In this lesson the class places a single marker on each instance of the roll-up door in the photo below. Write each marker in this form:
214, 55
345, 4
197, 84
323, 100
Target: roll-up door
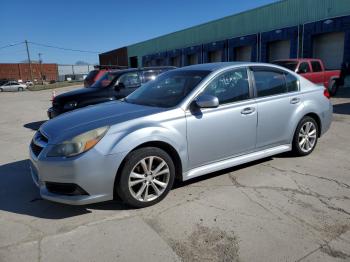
279, 50
243, 53
329, 48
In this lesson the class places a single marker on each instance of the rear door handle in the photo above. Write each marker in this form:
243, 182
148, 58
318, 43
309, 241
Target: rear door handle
295, 100
248, 111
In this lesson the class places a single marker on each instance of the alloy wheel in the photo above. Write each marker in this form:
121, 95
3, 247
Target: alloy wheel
307, 137
149, 178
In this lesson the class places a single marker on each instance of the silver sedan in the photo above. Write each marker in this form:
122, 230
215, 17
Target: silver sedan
12, 86
188, 122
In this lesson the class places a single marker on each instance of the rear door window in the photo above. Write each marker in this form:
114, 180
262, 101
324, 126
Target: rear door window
150, 75
130, 80
292, 83
269, 82
304, 68
316, 66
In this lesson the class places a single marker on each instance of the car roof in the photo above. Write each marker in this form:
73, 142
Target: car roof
142, 69
222, 65
297, 60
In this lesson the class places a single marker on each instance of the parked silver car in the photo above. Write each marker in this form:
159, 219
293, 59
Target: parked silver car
12, 86
188, 122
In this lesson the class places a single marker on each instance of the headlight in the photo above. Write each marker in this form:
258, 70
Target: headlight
78, 144
70, 105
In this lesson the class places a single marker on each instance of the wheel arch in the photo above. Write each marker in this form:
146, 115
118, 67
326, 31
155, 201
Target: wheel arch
168, 148
313, 115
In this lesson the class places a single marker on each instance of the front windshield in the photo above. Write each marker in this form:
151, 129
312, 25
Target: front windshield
291, 65
168, 89
104, 80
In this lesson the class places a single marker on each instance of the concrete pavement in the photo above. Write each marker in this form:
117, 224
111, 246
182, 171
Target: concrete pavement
277, 209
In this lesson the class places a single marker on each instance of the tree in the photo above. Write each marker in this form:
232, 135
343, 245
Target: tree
81, 62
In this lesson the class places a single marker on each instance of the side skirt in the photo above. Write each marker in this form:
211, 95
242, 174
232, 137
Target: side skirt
231, 162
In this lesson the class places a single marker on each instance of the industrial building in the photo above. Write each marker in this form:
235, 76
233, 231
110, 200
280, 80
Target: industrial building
21, 71
285, 29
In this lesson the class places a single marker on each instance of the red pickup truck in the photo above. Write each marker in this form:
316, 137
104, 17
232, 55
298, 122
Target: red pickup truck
313, 70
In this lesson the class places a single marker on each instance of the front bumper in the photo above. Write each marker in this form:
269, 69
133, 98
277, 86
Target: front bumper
93, 172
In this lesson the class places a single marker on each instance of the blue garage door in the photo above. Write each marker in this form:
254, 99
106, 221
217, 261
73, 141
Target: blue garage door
175, 57
243, 48
275, 44
146, 60
192, 55
328, 40
215, 52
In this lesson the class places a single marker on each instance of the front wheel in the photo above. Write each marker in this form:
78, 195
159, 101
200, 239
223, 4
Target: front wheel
146, 178
1, 90
20, 89
305, 137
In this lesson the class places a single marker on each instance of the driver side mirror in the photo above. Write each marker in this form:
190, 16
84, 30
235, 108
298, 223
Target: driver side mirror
207, 101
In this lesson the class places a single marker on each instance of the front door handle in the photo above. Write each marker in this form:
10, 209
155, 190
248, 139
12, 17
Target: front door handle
248, 111
295, 100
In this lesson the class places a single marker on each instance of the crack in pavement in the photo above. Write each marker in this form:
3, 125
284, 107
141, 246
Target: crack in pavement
342, 184
292, 190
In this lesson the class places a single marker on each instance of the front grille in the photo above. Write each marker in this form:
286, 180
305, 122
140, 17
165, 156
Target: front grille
65, 189
38, 143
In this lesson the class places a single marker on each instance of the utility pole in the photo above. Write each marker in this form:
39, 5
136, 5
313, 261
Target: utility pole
29, 62
41, 68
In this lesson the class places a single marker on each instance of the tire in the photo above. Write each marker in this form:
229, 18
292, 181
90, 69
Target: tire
1, 90
145, 187
333, 87
310, 137
20, 89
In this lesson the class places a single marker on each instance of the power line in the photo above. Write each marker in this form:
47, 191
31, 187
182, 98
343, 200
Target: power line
10, 45
63, 48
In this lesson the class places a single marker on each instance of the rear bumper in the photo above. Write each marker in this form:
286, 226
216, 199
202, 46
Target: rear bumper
327, 117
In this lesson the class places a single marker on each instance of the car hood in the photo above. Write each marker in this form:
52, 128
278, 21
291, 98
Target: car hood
68, 96
70, 124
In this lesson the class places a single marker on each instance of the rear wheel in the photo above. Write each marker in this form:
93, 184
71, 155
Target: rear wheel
305, 137
146, 178
1, 90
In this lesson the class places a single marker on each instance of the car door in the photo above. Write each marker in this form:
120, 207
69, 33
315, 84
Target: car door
7, 86
126, 84
277, 100
229, 130
12, 86
317, 73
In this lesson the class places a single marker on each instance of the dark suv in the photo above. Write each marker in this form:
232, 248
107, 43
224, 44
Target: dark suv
111, 86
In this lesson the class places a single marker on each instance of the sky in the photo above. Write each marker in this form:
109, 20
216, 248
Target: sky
99, 26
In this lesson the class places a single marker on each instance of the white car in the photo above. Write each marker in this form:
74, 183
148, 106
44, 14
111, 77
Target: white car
12, 86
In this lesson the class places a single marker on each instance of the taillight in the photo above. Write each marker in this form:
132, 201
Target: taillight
326, 93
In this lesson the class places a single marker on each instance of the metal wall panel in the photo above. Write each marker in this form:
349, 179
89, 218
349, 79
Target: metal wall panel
270, 17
